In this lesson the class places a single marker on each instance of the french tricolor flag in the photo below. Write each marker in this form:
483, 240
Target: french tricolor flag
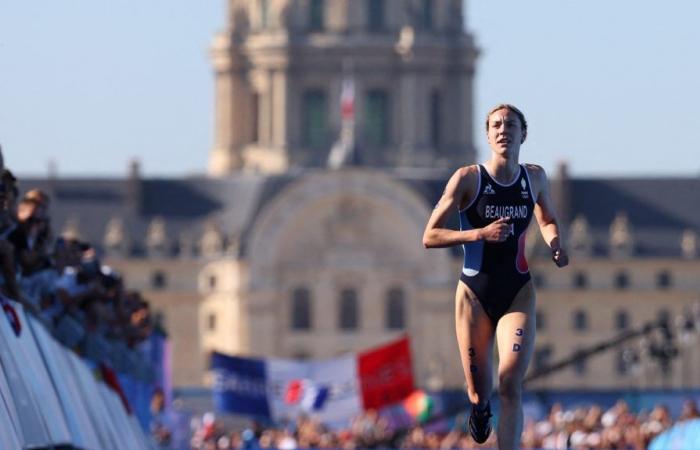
347, 99
333, 390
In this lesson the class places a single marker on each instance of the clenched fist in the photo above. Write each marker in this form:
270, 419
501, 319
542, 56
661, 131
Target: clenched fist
497, 231
560, 257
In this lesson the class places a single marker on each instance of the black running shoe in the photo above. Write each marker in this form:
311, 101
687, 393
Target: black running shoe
480, 424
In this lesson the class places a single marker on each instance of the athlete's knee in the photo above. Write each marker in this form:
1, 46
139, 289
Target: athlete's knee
509, 387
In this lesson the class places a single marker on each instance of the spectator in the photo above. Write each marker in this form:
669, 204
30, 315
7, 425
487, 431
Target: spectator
8, 223
79, 285
690, 411
31, 237
31, 241
160, 432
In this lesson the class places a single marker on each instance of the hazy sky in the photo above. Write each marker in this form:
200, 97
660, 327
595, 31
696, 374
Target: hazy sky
612, 87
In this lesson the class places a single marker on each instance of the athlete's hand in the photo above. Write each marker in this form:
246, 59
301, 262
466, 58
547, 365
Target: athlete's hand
560, 257
496, 231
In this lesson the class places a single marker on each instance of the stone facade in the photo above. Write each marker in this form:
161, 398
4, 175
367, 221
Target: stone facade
280, 65
597, 299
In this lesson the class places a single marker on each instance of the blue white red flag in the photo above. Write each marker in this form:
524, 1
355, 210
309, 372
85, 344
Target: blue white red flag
347, 99
333, 390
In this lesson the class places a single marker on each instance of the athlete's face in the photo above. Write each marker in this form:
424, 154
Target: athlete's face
505, 132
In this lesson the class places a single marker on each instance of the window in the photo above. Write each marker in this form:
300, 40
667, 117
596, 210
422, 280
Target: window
543, 354
377, 117
158, 280
427, 14
314, 114
301, 309
622, 363
627, 361
316, 8
264, 13
375, 14
348, 318
580, 366
538, 279
211, 322
301, 355
435, 107
580, 280
394, 315
580, 319
255, 119
622, 280
622, 320
540, 320
663, 279
664, 316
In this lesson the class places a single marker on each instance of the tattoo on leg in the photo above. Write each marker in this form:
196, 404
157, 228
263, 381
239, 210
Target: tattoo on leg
518, 331
472, 353
472, 368
516, 347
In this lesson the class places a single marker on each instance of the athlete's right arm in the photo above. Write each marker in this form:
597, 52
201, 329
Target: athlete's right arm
460, 190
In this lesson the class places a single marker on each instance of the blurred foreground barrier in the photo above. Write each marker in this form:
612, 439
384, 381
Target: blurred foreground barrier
49, 396
682, 436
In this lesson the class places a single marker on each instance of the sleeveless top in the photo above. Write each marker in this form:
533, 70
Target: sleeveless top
495, 200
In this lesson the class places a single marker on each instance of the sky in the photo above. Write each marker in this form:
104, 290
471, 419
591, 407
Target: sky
610, 87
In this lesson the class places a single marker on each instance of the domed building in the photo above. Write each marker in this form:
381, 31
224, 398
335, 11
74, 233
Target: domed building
337, 124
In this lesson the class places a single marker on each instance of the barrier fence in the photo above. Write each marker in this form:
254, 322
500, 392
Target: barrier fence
52, 398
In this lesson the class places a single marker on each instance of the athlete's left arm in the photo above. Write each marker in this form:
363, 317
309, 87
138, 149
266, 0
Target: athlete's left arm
545, 215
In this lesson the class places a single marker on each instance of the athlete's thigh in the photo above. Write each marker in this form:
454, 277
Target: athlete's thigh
515, 334
475, 335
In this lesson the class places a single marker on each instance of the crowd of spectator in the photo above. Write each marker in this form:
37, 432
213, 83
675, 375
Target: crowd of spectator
60, 279
583, 428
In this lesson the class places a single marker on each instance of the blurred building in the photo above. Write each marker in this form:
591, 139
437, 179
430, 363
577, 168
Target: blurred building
276, 254
280, 66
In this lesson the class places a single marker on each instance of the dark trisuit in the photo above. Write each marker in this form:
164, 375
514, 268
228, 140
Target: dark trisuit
496, 271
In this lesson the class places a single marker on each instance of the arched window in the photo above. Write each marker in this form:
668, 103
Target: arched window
301, 309
394, 311
376, 15
316, 8
377, 120
314, 115
348, 317
427, 14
